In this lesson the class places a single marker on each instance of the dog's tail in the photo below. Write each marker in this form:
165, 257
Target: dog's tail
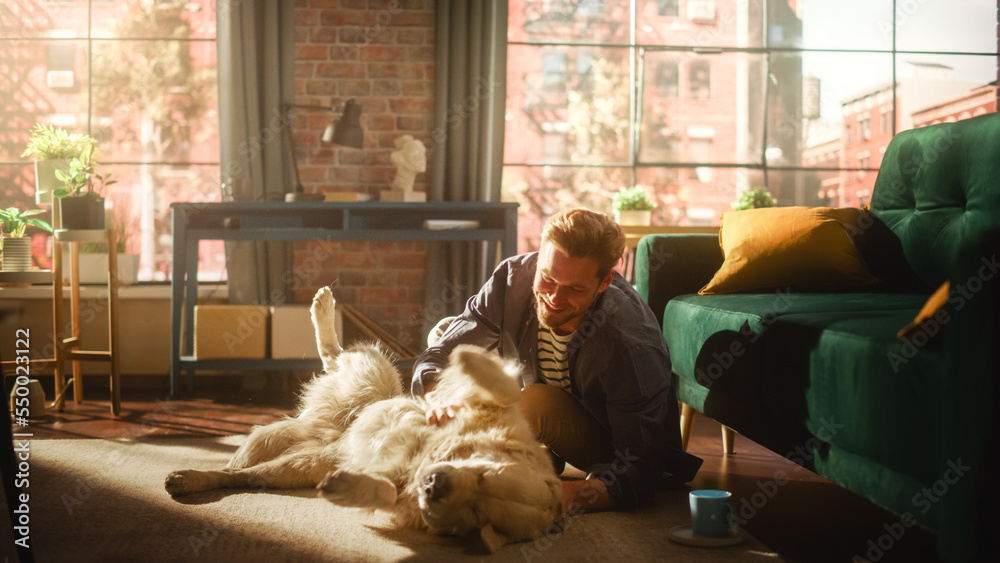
324, 323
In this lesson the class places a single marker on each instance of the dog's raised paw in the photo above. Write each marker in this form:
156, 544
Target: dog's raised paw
323, 302
325, 324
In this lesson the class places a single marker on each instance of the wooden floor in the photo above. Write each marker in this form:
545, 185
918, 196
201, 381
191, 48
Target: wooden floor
791, 510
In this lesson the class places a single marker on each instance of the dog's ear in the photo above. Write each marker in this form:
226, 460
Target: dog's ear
494, 540
474, 359
496, 384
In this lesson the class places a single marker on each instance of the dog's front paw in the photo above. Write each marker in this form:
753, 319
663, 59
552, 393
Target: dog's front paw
186, 482
323, 304
325, 324
355, 489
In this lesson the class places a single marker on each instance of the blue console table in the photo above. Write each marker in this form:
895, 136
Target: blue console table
308, 221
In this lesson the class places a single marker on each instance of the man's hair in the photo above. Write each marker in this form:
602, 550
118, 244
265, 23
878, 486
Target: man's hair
585, 234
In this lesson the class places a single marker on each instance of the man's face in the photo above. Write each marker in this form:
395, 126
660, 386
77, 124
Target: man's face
565, 287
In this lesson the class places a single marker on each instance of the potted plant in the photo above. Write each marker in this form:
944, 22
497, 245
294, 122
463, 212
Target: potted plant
14, 245
754, 198
53, 149
80, 204
633, 206
94, 257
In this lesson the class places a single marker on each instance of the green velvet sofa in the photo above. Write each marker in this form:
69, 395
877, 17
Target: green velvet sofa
822, 377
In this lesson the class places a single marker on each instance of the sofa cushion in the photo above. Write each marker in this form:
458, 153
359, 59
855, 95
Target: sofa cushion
883, 252
801, 247
783, 367
937, 187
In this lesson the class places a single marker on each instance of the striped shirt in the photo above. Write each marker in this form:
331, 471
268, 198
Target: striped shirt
553, 358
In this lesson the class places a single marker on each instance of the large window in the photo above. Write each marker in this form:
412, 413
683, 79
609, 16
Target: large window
699, 100
140, 77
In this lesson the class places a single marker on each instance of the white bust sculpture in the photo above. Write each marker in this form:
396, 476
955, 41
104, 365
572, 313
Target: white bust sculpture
409, 158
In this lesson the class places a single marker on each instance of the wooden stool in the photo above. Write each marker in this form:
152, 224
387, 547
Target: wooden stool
68, 348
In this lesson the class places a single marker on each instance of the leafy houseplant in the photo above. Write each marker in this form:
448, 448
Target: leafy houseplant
16, 247
50, 142
80, 204
754, 198
633, 206
52, 149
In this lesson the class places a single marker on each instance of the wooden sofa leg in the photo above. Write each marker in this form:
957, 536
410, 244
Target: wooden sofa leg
728, 439
687, 420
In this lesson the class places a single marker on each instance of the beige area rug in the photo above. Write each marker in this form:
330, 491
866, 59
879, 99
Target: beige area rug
100, 500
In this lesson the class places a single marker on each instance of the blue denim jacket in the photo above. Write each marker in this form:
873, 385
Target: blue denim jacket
619, 371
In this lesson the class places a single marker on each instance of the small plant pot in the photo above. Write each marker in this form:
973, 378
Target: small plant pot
17, 254
82, 212
632, 218
45, 178
94, 268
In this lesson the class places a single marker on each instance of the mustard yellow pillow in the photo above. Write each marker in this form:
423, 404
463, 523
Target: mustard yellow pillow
930, 309
799, 247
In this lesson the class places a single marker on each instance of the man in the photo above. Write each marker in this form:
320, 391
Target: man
596, 384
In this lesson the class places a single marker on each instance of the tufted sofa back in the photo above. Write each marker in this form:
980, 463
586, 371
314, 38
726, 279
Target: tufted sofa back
938, 186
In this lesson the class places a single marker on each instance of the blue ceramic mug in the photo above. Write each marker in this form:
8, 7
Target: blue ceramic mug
711, 512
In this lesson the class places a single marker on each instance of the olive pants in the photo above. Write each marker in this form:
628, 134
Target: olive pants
565, 427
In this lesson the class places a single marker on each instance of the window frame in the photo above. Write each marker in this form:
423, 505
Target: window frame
91, 120
766, 167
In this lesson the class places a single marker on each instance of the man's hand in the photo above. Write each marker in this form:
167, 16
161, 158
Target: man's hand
439, 411
588, 495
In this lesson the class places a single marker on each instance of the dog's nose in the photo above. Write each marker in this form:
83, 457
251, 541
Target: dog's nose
436, 486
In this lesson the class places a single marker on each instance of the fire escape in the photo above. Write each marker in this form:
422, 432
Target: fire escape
573, 21
546, 91
22, 100
569, 22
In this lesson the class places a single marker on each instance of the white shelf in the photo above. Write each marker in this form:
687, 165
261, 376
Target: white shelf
81, 235
30, 276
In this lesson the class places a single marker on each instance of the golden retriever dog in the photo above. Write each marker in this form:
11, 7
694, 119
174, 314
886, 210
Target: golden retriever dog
368, 444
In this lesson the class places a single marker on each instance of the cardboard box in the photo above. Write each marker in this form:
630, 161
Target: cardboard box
230, 331
292, 334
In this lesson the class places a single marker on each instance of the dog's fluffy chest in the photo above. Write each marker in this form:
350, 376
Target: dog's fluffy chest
394, 434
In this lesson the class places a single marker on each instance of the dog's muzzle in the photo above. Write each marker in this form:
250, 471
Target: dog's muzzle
436, 486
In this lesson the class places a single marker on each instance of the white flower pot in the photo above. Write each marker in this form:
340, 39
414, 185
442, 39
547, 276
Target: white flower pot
94, 268
45, 178
633, 218
17, 254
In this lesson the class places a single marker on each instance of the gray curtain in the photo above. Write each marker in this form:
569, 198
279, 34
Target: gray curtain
255, 58
467, 140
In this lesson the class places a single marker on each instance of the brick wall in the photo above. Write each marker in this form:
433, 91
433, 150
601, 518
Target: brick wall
381, 53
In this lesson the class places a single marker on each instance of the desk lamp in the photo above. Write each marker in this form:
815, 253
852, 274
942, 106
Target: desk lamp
345, 130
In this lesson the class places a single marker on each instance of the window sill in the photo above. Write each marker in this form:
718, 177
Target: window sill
157, 291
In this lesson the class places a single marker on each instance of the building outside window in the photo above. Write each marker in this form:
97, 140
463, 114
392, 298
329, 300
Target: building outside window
669, 8
700, 80
138, 76
781, 85
668, 80
554, 71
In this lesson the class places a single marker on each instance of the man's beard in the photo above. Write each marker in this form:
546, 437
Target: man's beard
553, 319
